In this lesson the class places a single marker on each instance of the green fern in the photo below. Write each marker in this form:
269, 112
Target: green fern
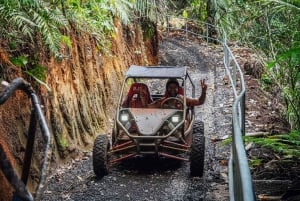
286, 144
152, 10
26, 18
255, 162
123, 10
38, 72
20, 61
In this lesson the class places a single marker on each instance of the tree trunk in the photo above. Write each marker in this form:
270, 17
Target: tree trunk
211, 9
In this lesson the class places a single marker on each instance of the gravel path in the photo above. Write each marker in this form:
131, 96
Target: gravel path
145, 179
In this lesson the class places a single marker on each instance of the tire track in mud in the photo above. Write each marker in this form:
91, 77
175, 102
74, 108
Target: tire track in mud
147, 179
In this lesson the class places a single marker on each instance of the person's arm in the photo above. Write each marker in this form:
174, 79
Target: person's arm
154, 104
201, 99
144, 100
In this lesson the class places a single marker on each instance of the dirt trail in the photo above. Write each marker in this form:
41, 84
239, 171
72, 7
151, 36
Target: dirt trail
145, 179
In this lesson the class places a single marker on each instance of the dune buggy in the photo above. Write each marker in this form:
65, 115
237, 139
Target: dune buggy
171, 132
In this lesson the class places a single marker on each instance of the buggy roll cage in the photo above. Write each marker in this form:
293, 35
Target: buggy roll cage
159, 72
21, 193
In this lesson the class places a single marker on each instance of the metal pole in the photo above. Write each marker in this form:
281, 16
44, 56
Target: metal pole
186, 29
243, 104
29, 147
168, 28
206, 33
234, 74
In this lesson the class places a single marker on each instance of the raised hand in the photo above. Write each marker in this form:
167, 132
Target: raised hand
203, 85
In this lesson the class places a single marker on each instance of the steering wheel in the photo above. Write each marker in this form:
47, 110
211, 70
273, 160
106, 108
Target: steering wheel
172, 103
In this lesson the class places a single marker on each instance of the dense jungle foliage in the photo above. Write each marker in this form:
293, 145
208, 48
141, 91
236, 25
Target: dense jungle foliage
270, 27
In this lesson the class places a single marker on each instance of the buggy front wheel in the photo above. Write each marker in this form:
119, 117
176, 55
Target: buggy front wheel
197, 150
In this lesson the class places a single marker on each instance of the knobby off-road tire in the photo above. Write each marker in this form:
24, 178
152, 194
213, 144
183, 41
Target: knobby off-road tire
197, 150
100, 158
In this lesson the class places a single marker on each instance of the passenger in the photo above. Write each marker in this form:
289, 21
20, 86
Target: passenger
138, 96
174, 90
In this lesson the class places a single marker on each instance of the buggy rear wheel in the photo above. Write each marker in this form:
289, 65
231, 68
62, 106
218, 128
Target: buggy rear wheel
197, 150
100, 158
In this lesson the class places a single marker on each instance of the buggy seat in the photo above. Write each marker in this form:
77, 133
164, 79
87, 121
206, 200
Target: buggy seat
138, 96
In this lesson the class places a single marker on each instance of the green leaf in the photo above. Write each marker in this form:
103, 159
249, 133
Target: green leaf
19, 61
39, 74
66, 40
271, 64
38, 71
185, 14
286, 144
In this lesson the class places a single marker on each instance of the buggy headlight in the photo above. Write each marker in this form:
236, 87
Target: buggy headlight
175, 119
124, 117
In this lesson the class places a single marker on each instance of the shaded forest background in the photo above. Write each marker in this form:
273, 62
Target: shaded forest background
75, 52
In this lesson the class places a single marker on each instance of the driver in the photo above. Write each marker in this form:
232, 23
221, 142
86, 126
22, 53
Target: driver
173, 90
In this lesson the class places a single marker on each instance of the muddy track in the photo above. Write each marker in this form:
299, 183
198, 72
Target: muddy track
147, 179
